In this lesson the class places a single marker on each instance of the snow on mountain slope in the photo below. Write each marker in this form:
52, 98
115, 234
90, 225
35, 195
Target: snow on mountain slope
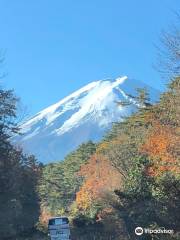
84, 115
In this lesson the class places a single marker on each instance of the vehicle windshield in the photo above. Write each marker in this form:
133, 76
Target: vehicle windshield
58, 221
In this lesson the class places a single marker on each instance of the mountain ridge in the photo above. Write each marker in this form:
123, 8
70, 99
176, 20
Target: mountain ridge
85, 114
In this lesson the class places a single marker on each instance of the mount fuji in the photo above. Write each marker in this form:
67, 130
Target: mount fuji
84, 115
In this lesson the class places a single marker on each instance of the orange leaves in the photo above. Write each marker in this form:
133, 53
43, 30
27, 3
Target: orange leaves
161, 146
100, 177
44, 216
157, 144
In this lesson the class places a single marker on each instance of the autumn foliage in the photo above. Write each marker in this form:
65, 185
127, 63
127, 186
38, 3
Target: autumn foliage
45, 216
161, 146
99, 178
128, 179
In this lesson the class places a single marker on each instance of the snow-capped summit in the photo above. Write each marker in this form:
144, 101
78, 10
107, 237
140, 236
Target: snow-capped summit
84, 115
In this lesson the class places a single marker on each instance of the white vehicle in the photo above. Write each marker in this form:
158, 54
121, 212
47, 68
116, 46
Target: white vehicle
58, 228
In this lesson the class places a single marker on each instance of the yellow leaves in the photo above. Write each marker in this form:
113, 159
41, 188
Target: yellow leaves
74, 209
61, 211
83, 199
102, 146
105, 146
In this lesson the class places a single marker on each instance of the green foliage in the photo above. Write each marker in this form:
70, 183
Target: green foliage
142, 199
7, 113
168, 110
60, 181
146, 200
19, 205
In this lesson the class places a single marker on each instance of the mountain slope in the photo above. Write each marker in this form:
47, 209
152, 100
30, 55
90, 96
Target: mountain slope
84, 115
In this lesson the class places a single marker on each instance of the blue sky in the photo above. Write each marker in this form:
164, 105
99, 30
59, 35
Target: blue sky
54, 47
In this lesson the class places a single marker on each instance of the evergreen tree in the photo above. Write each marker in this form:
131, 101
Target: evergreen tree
19, 207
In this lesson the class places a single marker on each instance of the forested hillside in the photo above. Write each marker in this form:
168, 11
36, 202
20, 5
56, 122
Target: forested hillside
130, 178
60, 181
